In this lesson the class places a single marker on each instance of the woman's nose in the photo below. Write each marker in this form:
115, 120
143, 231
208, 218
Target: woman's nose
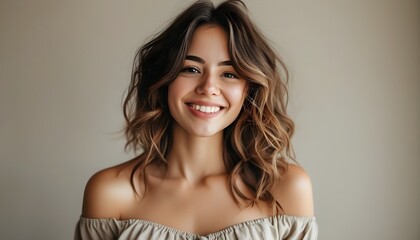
208, 85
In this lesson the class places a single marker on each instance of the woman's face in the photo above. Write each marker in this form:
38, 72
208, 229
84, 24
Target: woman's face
208, 94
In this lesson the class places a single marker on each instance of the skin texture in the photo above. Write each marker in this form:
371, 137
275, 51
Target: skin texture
192, 193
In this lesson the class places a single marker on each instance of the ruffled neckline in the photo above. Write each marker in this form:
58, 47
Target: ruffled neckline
213, 234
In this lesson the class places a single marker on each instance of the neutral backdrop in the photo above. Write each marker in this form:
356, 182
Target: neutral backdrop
355, 96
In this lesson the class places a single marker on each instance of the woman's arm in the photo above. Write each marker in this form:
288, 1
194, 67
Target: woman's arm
294, 192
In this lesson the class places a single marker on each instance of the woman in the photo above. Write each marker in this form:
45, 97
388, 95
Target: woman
206, 104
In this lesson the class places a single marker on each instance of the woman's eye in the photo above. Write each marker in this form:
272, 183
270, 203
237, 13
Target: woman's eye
190, 70
230, 75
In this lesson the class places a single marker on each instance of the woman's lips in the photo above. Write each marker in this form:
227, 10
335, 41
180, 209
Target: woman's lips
204, 108
206, 111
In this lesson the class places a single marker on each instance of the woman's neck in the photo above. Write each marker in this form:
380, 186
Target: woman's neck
195, 158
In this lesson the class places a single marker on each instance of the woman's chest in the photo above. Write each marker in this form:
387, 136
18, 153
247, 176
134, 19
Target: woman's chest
200, 210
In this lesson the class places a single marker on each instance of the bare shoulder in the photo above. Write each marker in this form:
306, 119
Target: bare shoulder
107, 193
294, 192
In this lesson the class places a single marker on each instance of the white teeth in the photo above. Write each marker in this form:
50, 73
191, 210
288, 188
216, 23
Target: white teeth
205, 109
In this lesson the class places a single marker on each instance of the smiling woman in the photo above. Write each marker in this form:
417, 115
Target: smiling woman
207, 82
207, 104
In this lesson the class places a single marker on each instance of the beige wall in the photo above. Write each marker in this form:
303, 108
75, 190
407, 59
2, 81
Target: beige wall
355, 93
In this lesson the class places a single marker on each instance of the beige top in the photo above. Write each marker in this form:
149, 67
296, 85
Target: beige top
278, 227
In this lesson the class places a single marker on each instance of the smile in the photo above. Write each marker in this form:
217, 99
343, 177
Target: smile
204, 109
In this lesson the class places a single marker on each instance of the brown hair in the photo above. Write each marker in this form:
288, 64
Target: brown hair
257, 144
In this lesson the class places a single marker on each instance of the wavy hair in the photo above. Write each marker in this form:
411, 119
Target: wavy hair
257, 144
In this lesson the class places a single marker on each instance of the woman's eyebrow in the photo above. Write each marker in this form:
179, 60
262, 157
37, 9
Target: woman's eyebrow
225, 63
200, 60
195, 59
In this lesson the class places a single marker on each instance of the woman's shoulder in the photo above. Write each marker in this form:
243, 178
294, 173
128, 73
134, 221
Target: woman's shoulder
107, 192
294, 192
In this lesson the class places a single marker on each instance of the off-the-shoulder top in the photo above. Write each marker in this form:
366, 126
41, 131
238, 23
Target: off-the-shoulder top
277, 227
